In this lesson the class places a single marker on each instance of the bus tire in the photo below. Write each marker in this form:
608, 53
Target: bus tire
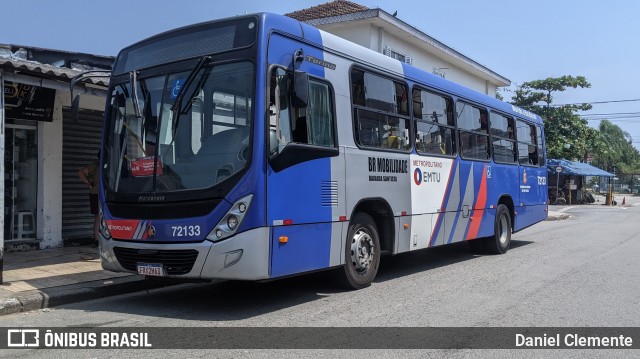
362, 252
501, 239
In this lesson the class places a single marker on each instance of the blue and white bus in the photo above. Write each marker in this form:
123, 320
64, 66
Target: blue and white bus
259, 147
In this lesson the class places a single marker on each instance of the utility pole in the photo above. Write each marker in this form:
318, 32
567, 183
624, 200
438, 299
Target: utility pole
611, 187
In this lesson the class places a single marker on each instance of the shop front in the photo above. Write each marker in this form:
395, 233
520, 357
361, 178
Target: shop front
24, 107
21, 179
44, 145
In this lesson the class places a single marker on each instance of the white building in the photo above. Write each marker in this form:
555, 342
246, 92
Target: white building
380, 31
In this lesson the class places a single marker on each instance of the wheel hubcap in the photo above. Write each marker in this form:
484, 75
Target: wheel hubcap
362, 251
504, 224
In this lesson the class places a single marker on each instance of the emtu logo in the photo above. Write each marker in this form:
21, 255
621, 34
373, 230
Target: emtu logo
417, 176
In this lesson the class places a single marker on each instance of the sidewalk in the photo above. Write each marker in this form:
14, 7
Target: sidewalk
46, 278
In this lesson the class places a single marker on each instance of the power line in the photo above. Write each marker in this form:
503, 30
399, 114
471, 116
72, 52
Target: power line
627, 119
611, 113
597, 102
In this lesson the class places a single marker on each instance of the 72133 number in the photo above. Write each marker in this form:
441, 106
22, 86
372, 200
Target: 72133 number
184, 231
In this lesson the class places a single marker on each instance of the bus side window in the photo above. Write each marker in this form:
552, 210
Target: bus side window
527, 148
313, 125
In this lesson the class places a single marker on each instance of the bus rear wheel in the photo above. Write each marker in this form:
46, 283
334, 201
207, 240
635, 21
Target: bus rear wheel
501, 239
362, 252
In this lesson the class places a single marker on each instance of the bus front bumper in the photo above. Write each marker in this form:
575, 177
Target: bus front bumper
244, 256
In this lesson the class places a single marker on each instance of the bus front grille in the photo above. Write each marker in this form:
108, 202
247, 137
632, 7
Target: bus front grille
175, 262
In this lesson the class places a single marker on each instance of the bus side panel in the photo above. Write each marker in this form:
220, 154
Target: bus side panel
431, 179
452, 224
307, 248
533, 196
445, 218
502, 180
460, 223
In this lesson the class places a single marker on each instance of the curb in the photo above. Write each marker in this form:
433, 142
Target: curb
559, 217
51, 297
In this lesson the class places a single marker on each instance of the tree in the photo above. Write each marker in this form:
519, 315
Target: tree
567, 135
617, 150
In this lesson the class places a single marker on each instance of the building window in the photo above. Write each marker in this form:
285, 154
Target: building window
397, 55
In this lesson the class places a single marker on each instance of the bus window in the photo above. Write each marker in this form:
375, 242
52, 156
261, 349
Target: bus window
474, 131
313, 125
434, 123
382, 113
527, 149
503, 138
379, 93
320, 115
541, 162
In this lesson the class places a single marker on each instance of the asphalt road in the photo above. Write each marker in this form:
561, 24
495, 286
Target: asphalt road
584, 271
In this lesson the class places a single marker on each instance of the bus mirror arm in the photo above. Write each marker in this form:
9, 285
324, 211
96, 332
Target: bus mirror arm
300, 91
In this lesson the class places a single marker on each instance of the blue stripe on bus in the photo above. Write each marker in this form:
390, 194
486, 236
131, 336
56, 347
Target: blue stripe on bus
463, 178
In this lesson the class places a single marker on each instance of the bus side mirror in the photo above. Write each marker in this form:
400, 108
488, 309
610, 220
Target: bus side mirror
300, 89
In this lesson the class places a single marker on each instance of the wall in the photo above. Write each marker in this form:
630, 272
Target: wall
49, 217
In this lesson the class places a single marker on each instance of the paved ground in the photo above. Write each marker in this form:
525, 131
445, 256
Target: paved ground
578, 272
43, 279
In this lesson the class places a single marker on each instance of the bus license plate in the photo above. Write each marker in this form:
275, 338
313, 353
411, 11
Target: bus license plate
151, 269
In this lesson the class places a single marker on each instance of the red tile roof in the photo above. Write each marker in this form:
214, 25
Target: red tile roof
333, 8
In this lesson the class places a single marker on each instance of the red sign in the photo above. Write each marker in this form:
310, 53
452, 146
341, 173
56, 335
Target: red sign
123, 229
141, 167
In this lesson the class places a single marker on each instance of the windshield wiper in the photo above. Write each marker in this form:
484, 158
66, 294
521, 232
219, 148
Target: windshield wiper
176, 106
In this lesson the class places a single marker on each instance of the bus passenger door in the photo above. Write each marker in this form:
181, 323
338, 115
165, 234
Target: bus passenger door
303, 185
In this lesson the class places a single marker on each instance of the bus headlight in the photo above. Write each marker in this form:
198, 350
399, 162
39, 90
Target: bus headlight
231, 221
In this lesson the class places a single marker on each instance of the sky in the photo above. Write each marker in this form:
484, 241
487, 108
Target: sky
520, 40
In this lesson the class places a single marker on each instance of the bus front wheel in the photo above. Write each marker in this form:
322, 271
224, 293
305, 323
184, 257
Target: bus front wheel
501, 239
362, 252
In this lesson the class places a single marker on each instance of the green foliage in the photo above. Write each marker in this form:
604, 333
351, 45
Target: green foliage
617, 149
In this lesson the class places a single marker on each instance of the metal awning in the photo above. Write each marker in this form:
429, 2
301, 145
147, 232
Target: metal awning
576, 168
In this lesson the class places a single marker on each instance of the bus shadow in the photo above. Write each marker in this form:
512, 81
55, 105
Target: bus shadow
238, 300
404, 264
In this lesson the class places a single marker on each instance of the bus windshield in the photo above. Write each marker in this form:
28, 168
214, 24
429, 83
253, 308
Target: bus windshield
150, 148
